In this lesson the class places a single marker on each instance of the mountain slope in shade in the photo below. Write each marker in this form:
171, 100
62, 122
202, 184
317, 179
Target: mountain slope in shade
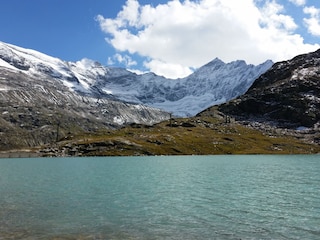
212, 84
36, 111
288, 94
40, 102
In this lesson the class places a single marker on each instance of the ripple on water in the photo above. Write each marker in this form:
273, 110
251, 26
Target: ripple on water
221, 197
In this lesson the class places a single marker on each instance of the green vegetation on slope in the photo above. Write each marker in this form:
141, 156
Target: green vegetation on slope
199, 135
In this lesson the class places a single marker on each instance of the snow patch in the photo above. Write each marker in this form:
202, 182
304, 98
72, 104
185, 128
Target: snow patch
302, 128
118, 120
107, 91
6, 65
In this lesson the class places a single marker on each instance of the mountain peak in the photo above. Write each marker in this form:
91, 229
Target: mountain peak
215, 62
214, 83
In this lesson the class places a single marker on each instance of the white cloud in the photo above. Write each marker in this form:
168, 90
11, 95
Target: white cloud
136, 71
271, 16
312, 23
169, 70
298, 2
123, 59
181, 35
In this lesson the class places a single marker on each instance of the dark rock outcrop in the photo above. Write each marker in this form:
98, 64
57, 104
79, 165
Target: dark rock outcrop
288, 94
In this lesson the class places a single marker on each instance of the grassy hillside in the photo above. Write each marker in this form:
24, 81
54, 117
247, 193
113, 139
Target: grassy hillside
198, 135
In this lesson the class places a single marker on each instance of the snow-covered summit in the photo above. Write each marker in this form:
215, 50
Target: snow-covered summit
214, 83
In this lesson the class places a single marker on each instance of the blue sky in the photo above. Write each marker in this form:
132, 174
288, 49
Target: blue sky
170, 38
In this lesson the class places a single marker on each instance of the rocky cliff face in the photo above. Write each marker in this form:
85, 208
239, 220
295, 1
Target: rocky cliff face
287, 95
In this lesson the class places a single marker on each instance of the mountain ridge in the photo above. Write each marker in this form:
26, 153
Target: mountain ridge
214, 83
69, 108
286, 96
40, 102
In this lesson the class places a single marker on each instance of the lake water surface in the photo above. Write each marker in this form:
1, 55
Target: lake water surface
176, 197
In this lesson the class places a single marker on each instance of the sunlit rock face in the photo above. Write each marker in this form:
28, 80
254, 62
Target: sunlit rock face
287, 94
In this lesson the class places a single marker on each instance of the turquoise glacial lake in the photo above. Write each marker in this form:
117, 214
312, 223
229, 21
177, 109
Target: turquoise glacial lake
171, 197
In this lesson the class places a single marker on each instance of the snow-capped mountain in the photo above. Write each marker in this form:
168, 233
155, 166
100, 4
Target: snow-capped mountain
211, 84
72, 79
44, 100
214, 83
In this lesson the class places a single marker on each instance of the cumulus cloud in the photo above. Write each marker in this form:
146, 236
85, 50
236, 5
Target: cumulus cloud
169, 70
313, 23
274, 20
123, 59
298, 2
181, 35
